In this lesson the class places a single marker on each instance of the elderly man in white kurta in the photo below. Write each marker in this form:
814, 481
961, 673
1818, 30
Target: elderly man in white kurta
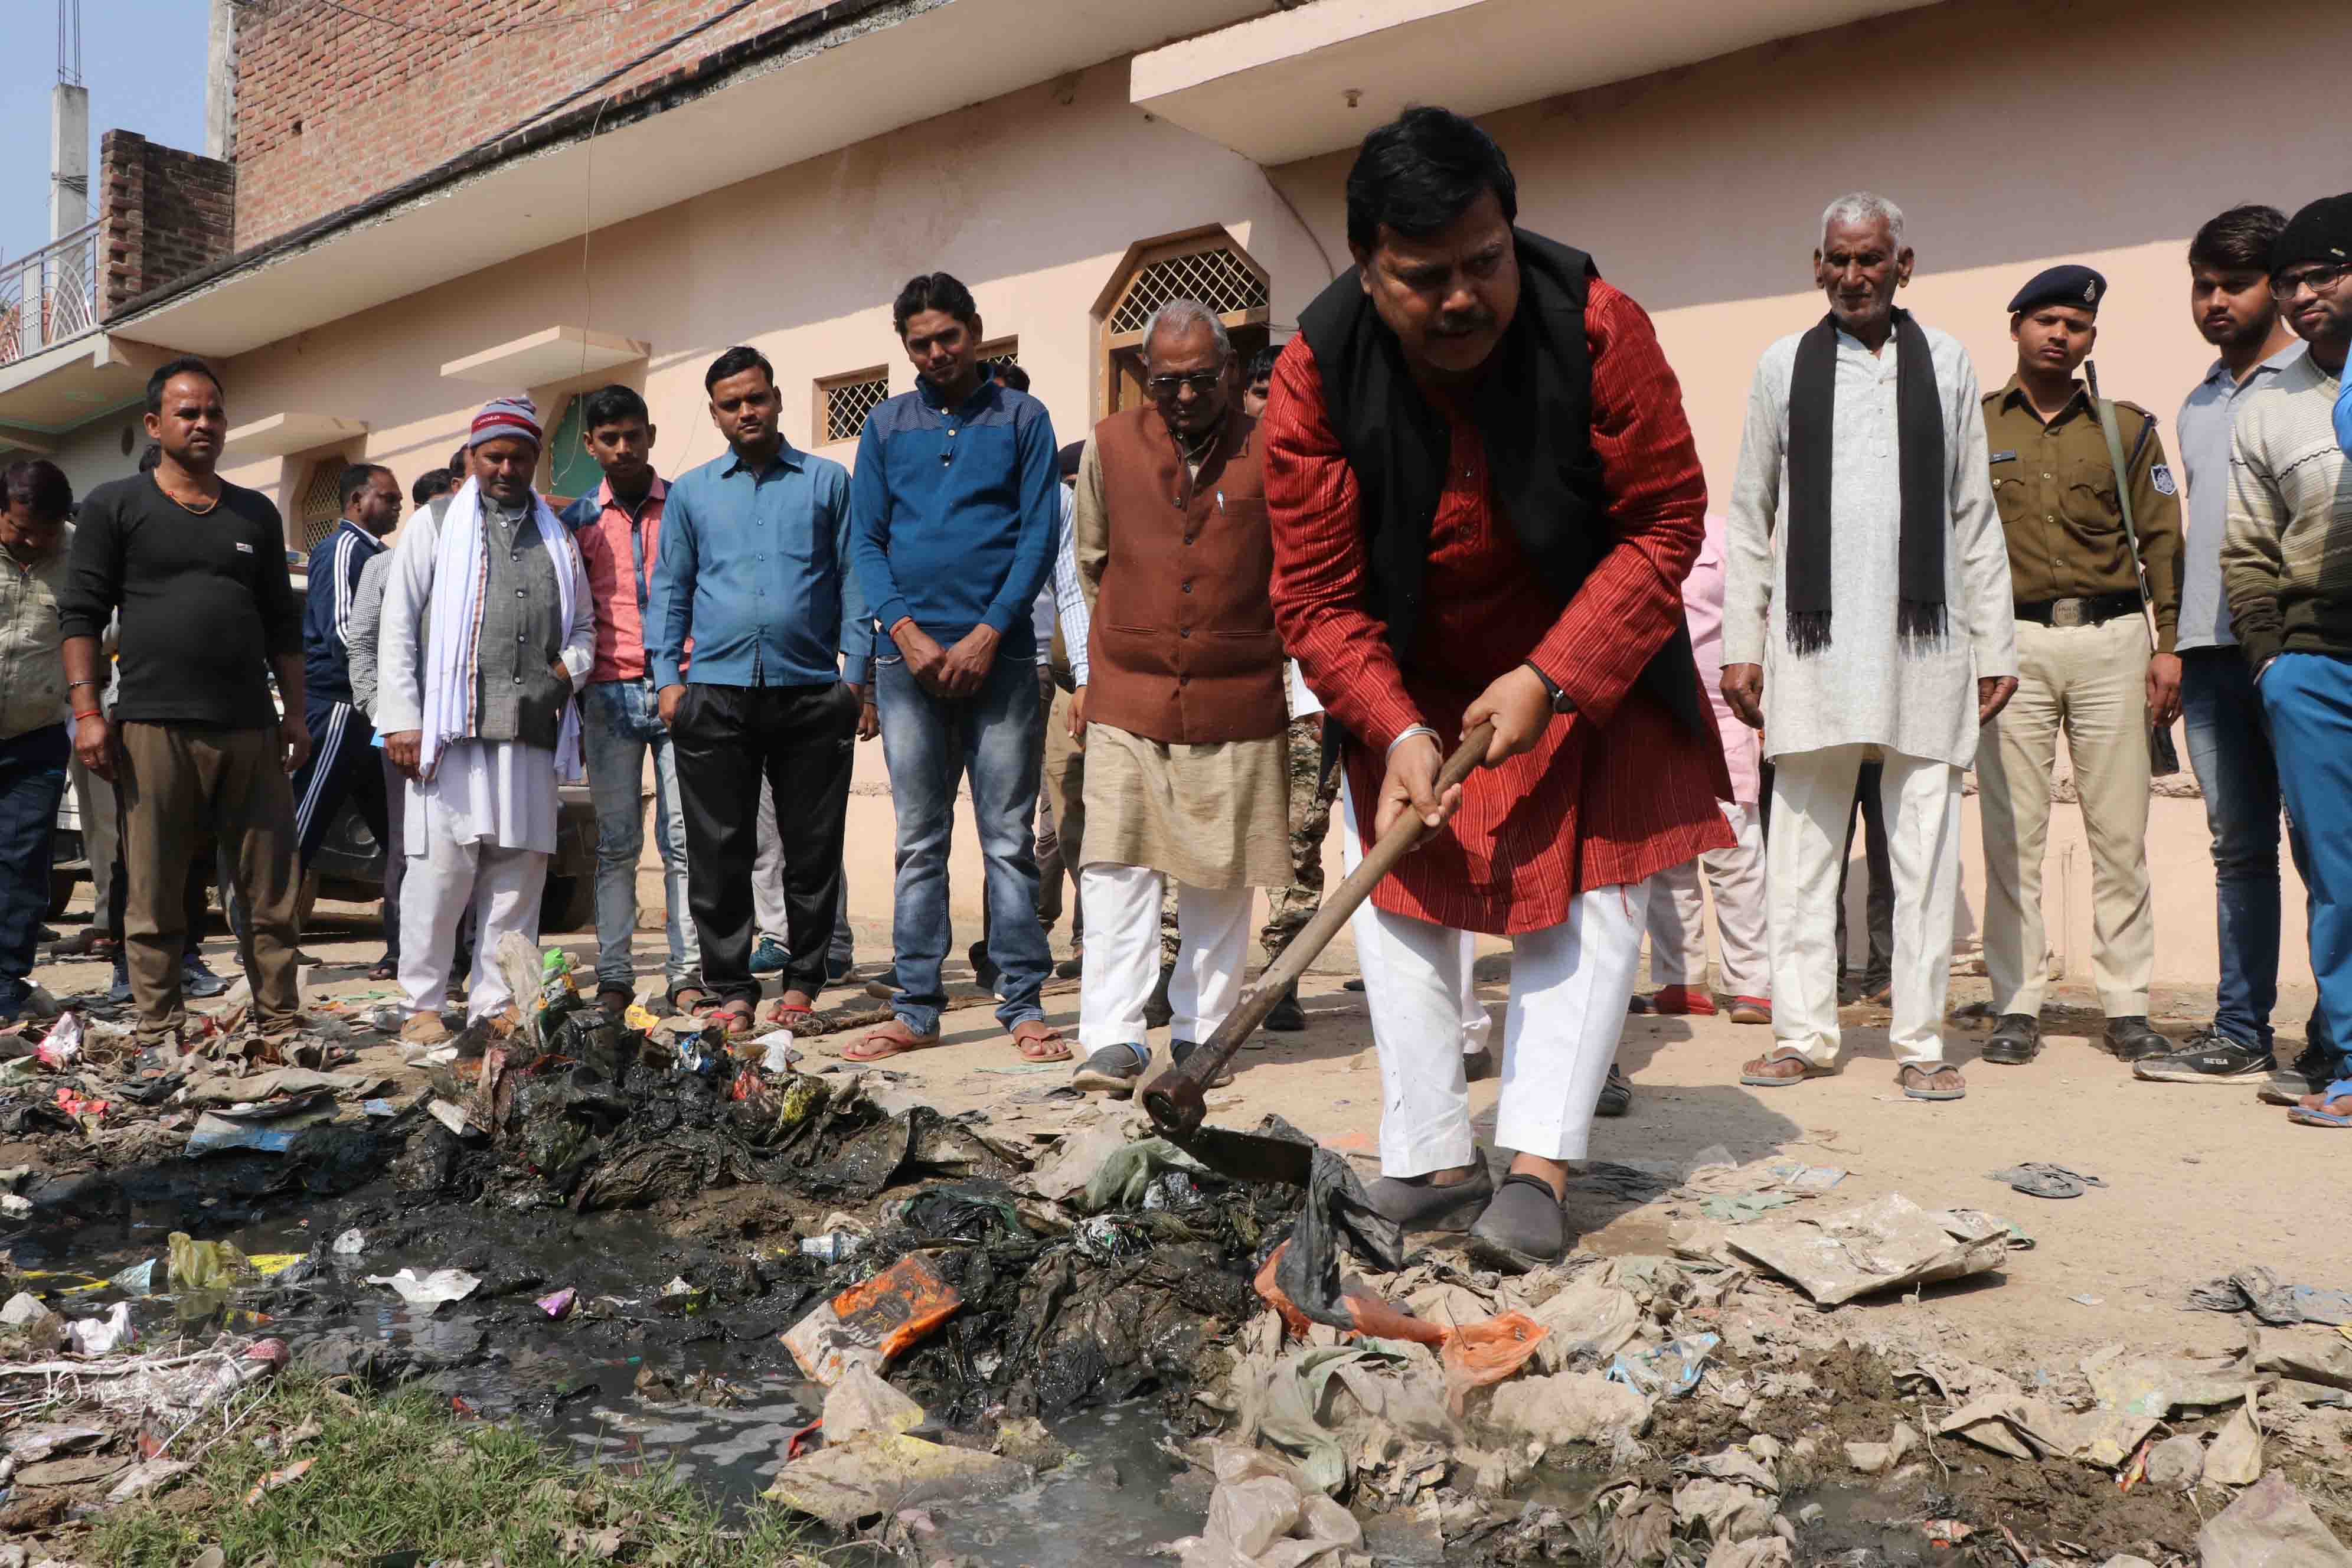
1866, 614
487, 632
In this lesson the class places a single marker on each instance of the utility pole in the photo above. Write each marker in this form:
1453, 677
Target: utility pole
68, 129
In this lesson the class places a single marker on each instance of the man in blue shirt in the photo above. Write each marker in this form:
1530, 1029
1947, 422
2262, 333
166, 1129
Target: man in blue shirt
957, 500
343, 762
754, 571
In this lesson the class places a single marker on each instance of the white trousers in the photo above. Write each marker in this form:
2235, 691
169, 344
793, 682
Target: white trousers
1570, 983
503, 888
1811, 793
1121, 904
1678, 914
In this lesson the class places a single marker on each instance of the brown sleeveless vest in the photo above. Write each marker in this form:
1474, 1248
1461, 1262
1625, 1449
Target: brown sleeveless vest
1183, 649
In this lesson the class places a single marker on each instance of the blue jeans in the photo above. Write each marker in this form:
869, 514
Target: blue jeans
931, 743
32, 782
2230, 750
619, 719
2307, 698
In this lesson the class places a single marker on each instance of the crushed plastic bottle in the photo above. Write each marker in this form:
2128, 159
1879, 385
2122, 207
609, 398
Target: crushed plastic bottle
830, 1247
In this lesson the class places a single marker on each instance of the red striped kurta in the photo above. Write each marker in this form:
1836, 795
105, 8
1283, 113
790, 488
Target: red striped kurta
1613, 791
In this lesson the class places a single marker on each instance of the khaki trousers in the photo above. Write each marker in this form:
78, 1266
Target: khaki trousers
2091, 682
186, 789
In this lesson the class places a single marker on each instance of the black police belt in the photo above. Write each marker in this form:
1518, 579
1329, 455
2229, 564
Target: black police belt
2096, 610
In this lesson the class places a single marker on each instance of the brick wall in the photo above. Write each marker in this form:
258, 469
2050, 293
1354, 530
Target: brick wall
161, 215
333, 108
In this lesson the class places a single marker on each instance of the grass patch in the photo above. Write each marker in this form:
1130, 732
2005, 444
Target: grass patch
399, 1474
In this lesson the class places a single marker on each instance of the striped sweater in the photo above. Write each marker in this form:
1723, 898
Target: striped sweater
2290, 497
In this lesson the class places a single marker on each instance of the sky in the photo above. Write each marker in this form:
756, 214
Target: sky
143, 62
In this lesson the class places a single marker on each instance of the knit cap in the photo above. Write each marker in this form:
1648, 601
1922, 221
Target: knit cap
517, 416
2320, 232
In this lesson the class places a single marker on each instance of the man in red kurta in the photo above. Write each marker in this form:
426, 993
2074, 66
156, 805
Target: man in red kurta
1484, 497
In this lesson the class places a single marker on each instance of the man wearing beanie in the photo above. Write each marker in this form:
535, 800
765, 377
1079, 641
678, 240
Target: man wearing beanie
2291, 595
2084, 663
488, 630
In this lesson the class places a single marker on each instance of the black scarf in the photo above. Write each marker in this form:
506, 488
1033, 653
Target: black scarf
1919, 446
1534, 409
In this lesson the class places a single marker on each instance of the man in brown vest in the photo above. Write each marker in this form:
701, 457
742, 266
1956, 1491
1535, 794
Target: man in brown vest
1181, 703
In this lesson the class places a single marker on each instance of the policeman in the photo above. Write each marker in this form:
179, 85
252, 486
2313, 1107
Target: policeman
2084, 664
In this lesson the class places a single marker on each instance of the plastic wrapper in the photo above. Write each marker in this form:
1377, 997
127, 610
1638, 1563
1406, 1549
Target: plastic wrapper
872, 1322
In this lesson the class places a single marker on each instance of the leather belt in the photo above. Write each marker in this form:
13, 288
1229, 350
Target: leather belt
2089, 612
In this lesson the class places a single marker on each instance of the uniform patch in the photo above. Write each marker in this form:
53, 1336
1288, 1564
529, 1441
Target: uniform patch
2008, 456
2161, 477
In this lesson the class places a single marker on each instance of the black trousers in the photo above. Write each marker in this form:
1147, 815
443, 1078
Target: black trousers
724, 741
1878, 904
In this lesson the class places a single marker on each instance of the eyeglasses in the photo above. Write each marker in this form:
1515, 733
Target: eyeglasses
2323, 279
1202, 382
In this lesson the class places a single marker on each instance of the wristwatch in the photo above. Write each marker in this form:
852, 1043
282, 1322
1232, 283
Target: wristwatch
1561, 702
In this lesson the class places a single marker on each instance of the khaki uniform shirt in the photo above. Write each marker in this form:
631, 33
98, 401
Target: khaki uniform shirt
32, 667
2055, 486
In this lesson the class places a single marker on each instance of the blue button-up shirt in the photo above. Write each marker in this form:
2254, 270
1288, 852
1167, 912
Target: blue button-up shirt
755, 569
2203, 428
957, 511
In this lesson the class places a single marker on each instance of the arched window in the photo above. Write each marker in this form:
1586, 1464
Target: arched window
1208, 265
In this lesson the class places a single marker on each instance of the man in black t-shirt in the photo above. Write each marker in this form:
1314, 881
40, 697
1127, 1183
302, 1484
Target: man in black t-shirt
198, 750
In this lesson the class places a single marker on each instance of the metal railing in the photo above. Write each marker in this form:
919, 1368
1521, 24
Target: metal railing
48, 296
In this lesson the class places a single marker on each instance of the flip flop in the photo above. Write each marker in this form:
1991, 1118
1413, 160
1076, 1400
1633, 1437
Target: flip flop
1923, 1091
1765, 1080
734, 1017
703, 1002
2305, 1116
2040, 1179
778, 1013
1048, 1036
892, 1044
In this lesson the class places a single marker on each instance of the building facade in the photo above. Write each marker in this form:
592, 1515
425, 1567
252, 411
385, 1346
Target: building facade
549, 194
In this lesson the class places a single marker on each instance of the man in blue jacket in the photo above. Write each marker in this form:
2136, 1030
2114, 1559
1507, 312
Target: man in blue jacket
343, 763
954, 506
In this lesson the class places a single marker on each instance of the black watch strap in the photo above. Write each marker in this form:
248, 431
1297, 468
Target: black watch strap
1561, 702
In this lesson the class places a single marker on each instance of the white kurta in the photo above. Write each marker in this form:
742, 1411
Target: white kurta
498, 792
1864, 688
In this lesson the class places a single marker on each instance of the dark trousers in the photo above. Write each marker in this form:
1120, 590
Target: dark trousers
32, 782
186, 789
723, 742
395, 860
1879, 904
196, 901
344, 764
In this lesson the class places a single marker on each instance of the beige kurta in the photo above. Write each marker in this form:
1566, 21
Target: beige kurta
1215, 816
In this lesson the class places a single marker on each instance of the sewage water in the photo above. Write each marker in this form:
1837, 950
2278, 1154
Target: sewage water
577, 1381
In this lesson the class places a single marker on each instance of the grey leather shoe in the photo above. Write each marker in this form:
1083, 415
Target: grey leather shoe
1524, 1227
1418, 1203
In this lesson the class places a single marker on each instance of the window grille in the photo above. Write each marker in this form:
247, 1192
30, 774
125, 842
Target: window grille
844, 402
995, 356
1217, 278
321, 508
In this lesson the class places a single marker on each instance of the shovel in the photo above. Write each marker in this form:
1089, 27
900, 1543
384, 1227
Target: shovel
1174, 1098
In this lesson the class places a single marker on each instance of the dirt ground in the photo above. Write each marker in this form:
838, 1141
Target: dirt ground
2200, 1180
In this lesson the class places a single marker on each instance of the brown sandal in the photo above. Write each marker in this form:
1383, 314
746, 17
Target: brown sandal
1757, 1074
879, 1044
1040, 1036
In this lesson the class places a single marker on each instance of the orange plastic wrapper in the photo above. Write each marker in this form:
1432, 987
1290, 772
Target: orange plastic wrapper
1476, 1354
872, 1322
1375, 1316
